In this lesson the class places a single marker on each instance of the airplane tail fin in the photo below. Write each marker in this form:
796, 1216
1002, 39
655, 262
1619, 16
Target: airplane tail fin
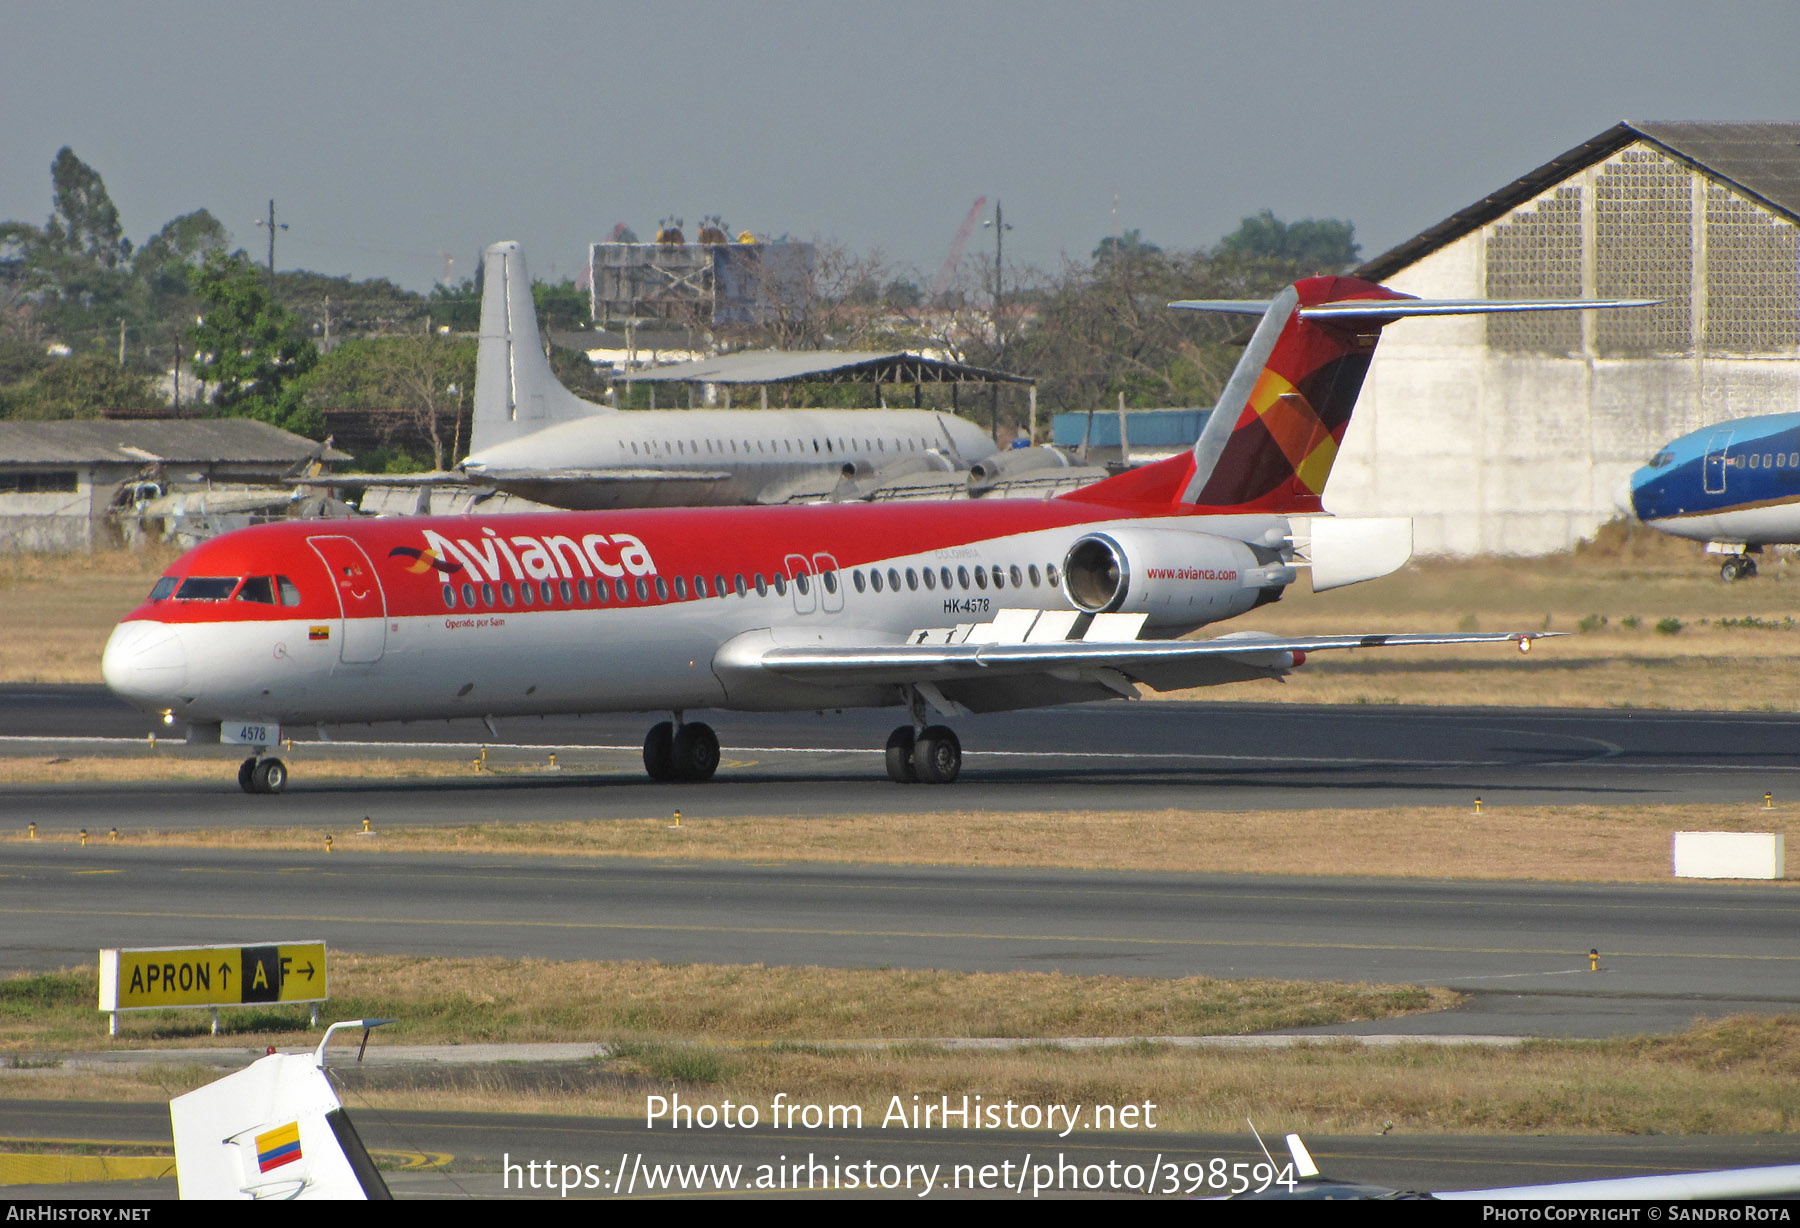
516, 392
1269, 444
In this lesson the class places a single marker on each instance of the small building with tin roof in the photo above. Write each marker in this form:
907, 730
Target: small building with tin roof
1510, 433
61, 481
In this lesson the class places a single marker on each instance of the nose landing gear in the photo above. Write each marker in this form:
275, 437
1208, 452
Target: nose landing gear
258, 774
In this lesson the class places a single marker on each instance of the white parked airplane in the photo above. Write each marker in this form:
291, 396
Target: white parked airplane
534, 438
936, 608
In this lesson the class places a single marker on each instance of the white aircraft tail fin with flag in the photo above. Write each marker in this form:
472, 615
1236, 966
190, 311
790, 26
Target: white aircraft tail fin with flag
274, 1130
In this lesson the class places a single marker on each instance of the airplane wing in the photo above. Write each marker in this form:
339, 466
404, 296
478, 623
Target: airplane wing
1022, 659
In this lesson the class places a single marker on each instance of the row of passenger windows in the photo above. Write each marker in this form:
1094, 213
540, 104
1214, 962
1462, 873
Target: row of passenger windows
1781, 460
262, 590
526, 593
782, 447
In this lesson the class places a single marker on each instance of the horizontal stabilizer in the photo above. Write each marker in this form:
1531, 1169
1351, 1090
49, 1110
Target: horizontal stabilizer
1395, 309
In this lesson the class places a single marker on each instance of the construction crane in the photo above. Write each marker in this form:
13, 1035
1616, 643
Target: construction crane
941, 282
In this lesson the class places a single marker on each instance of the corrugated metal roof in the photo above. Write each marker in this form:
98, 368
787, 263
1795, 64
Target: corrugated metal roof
830, 366
1760, 160
187, 441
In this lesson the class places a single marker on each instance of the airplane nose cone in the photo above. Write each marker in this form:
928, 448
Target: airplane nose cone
1624, 498
145, 663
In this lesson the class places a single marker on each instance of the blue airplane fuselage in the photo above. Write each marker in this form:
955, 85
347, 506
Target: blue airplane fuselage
1737, 482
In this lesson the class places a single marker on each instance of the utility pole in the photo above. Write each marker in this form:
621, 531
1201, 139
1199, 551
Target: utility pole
998, 222
272, 228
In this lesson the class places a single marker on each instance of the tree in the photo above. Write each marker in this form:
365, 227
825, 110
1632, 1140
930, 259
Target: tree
86, 222
429, 380
1314, 245
165, 261
249, 347
81, 386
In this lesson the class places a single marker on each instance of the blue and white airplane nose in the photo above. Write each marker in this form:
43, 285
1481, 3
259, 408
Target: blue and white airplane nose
145, 663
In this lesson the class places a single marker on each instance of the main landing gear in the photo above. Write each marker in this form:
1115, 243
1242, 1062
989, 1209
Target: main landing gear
262, 775
680, 750
1738, 567
932, 756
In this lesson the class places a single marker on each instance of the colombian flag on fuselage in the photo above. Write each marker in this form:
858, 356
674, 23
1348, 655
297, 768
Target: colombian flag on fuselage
277, 1147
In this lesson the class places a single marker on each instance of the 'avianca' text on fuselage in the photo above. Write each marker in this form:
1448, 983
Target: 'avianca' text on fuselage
1734, 485
938, 609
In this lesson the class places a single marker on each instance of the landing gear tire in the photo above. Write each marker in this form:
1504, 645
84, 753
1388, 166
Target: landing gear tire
268, 776
693, 753
937, 756
900, 756
659, 758
246, 775
1738, 569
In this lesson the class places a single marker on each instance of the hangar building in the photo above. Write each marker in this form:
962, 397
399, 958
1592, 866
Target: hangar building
1510, 433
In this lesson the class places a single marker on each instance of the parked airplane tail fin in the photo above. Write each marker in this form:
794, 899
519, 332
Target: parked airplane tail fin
516, 392
1270, 443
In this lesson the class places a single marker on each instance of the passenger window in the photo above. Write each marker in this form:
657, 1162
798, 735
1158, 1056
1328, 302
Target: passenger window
260, 589
719, 585
562, 588
980, 578
875, 578
944, 575
1050, 576
1034, 575
662, 589
506, 593
163, 588
449, 597
528, 593
581, 591
829, 580
1018, 580
800, 583
894, 578
912, 580
469, 595
487, 594
856, 578
930, 580
780, 584
962, 575
999, 578
643, 589
739, 586
622, 588
762, 585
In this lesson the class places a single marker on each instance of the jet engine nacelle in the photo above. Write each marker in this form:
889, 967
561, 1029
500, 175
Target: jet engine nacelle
1178, 577
1015, 461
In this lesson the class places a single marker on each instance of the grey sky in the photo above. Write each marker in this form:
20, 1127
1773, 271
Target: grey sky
389, 133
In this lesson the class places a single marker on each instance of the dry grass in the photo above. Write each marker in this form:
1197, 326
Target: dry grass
174, 762
511, 1001
1558, 843
1734, 1076
59, 608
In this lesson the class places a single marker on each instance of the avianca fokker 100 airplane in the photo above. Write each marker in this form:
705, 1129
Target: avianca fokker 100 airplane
936, 608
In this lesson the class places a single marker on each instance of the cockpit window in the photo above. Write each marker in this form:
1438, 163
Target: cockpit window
1662, 460
163, 588
206, 588
290, 593
260, 589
